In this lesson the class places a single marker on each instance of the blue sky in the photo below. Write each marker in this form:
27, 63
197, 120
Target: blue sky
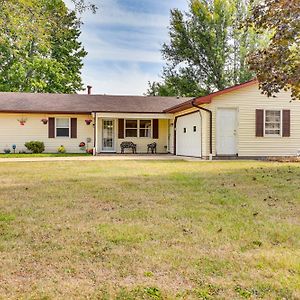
124, 40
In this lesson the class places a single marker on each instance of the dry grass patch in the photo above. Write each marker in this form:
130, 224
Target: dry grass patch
150, 230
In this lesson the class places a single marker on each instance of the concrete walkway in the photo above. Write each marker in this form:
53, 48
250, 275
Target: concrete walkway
106, 157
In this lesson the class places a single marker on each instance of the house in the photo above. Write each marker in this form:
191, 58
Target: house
238, 121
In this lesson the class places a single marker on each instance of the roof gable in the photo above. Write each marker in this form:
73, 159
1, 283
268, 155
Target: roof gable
207, 99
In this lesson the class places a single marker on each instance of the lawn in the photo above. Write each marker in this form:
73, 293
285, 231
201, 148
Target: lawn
149, 230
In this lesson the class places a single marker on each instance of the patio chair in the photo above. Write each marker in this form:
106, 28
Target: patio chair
151, 147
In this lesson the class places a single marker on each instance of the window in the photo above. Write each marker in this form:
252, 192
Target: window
273, 122
145, 128
138, 128
62, 127
131, 128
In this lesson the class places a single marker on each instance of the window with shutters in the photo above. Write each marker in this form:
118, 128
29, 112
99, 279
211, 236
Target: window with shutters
145, 128
138, 128
273, 120
131, 128
62, 126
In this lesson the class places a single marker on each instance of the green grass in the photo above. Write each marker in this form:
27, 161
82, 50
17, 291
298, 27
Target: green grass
150, 230
28, 155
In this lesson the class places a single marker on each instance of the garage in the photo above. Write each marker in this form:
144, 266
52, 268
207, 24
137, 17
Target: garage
188, 135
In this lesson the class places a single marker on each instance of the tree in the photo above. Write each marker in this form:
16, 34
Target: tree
82, 5
207, 49
277, 65
39, 47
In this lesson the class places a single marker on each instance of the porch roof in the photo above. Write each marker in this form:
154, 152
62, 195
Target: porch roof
83, 104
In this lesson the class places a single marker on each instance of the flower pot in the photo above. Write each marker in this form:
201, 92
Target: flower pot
44, 121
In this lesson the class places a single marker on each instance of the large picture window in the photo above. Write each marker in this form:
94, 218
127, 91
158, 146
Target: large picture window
273, 122
138, 128
62, 127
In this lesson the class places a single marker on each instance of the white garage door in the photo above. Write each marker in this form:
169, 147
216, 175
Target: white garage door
188, 135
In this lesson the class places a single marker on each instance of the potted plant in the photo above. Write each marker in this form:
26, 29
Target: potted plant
22, 121
88, 121
82, 146
61, 149
44, 121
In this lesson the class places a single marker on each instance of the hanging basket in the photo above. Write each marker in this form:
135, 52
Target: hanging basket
44, 121
22, 121
88, 121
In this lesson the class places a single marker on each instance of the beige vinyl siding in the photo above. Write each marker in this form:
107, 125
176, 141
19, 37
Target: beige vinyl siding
141, 142
11, 132
246, 101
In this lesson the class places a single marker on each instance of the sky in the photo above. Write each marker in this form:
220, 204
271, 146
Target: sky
124, 40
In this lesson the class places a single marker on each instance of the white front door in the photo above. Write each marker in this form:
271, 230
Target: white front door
108, 135
226, 138
188, 135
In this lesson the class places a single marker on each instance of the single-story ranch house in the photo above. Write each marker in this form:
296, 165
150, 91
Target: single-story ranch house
238, 121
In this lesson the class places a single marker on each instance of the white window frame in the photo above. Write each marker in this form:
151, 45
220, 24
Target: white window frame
151, 130
63, 137
138, 128
268, 134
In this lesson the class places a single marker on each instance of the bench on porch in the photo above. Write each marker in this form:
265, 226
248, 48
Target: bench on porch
128, 145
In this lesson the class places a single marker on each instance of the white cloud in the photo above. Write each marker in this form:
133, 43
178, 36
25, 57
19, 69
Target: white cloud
125, 39
118, 81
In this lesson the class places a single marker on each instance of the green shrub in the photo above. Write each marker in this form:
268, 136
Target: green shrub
35, 146
61, 149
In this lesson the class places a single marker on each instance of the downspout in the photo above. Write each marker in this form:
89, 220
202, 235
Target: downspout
210, 126
95, 136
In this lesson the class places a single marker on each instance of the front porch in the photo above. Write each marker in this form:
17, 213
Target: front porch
113, 129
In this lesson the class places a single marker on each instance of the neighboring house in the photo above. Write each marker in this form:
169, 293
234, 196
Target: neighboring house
238, 121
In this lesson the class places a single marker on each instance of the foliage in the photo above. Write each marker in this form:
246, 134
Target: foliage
207, 49
277, 65
39, 47
61, 149
6, 150
82, 5
35, 146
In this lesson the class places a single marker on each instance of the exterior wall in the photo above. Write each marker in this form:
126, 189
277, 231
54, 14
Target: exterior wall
11, 132
162, 141
247, 100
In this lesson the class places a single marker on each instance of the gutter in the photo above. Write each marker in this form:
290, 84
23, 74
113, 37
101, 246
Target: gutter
210, 125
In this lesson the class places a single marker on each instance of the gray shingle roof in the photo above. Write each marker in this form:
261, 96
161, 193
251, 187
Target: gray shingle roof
76, 103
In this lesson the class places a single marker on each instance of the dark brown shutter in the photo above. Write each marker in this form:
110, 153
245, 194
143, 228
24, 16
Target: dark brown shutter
155, 128
73, 128
286, 123
51, 128
259, 122
121, 129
